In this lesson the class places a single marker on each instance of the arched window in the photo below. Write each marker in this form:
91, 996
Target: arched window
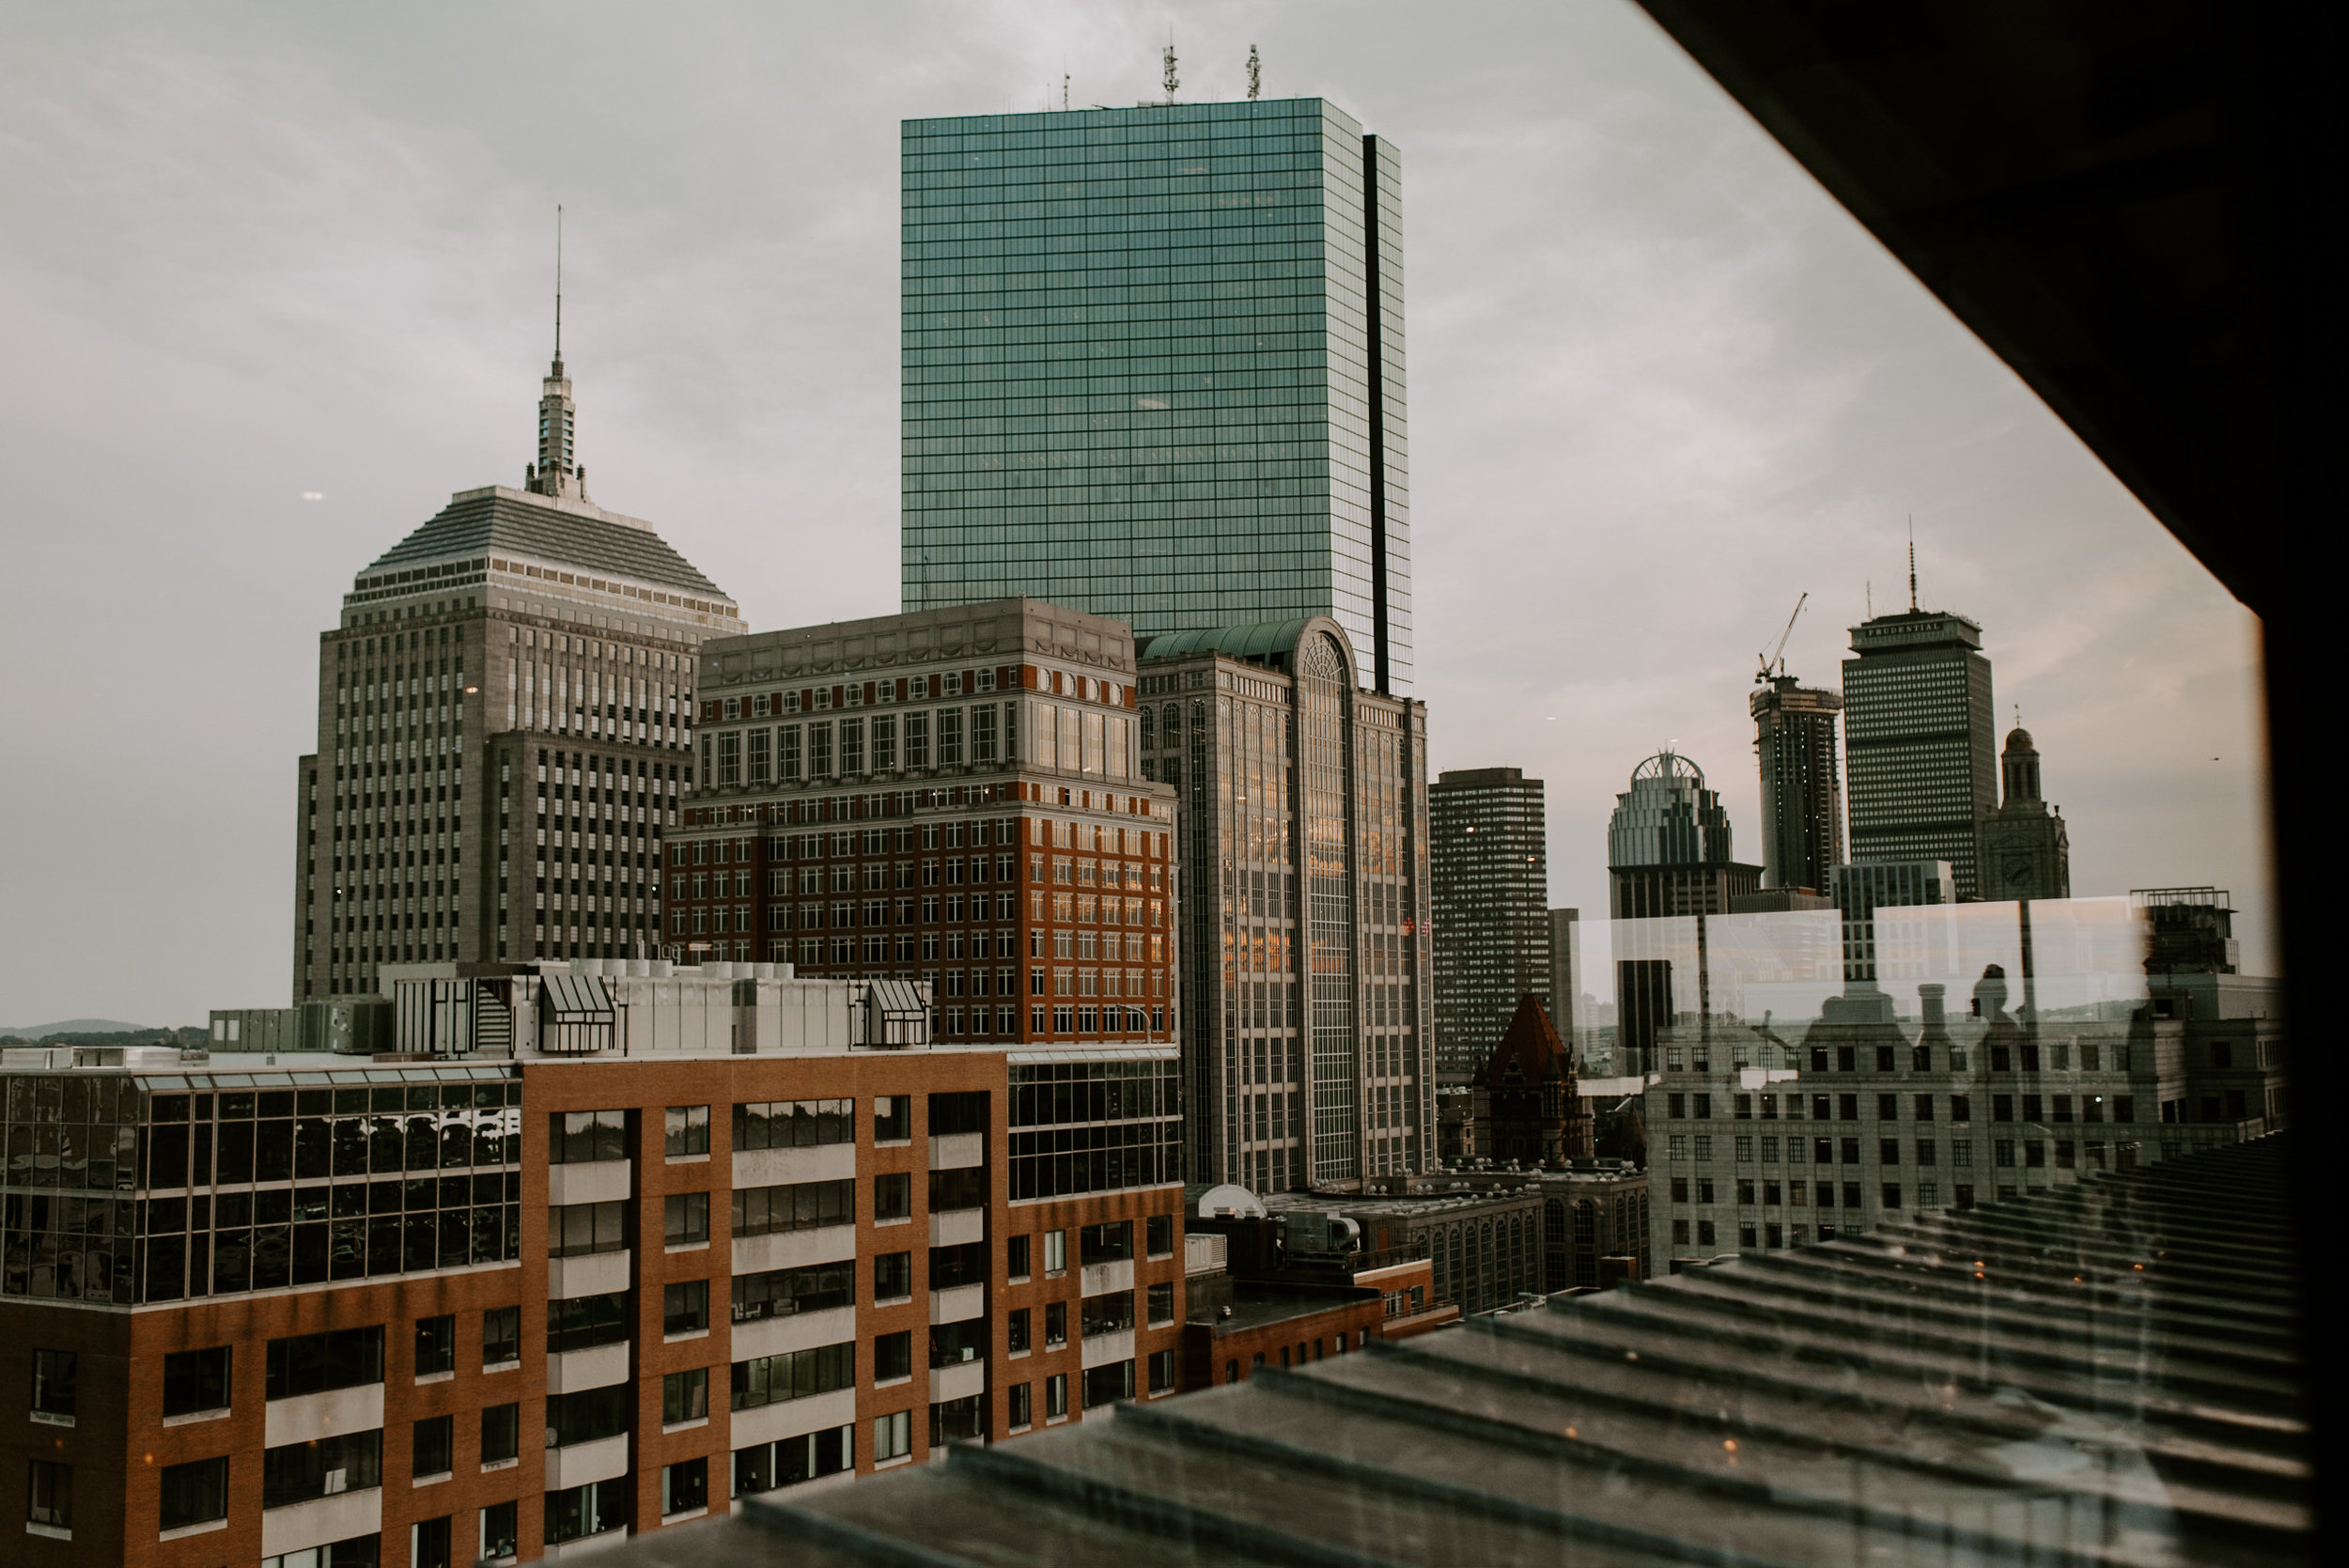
1554, 1223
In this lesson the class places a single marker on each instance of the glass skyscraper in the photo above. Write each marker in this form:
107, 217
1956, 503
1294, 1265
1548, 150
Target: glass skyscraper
1153, 368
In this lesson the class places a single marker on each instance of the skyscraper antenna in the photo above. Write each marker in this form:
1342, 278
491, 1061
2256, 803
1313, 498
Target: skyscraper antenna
1912, 563
1172, 81
1255, 74
1870, 589
558, 288
1064, 91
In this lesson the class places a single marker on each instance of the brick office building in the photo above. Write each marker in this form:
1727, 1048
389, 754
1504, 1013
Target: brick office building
327, 1314
949, 797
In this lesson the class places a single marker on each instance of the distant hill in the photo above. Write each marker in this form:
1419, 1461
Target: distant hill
103, 1032
79, 1026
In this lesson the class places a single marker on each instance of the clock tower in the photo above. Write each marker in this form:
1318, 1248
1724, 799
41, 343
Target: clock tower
2025, 852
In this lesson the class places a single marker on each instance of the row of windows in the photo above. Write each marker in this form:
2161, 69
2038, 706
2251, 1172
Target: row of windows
1846, 1108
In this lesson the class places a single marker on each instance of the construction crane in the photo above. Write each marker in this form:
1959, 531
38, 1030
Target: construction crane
1774, 656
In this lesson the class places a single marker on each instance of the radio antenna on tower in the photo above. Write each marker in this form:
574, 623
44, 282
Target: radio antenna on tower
1172, 81
558, 289
1255, 74
1912, 563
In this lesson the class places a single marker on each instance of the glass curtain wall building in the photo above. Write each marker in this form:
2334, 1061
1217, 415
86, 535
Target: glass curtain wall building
1153, 368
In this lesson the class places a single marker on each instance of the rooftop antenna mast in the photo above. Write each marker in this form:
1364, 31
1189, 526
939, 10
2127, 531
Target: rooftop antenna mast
1776, 655
1912, 563
1255, 74
1172, 81
558, 289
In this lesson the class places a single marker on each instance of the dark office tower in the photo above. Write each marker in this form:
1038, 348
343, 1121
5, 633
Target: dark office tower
1668, 854
1301, 825
1802, 784
504, 730
2026, 852
1153, 368
1919, 761
1491, 903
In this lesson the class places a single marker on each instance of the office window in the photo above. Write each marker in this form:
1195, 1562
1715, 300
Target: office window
685, 1396
56, 1384
893, 1118
892, 1276
323, 1466
893, 1436
501, 1432
1020, 1406
1017, 1330
196, 1380
49, 1496
589, 1415
794, 1124
684, 1486
584, 1230
429, 1544
582, 1137
789, 1292
579, 1511
1161, 1298
798, 1206
585, 1321
432, 1446
793, 1375
1107, 1385
314, 1364
893, 1356
685, 1132
1016, 1250
196, 1492
1055, 1324
499, 1530
684, 1219
1162, 1370
436, 1344
1055, 1253
500, 1335
1056, 1396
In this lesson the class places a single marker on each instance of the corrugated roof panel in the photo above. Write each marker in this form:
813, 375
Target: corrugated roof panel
2105, 1373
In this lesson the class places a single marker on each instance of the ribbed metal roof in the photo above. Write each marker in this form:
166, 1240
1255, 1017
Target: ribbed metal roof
2104, 1373
1255, 641
495, 519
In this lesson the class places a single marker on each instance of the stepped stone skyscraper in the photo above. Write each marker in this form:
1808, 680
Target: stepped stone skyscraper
1153, 368
504, 721
1919, 755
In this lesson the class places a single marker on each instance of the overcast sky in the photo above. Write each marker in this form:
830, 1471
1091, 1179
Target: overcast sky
1660, 385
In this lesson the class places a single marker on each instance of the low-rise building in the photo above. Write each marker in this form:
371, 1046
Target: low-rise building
692, 1234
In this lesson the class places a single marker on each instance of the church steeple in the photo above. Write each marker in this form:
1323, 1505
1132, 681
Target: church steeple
2019, 762
557, 470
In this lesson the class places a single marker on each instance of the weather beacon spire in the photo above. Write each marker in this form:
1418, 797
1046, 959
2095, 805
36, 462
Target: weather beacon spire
557, 470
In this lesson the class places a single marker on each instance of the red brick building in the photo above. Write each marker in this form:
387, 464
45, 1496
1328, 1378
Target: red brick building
952, 797
327, 1313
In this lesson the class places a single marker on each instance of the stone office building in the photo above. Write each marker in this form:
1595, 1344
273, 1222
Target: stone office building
438, 1311
523, 648
1304, 830
950, 797
1764, 1137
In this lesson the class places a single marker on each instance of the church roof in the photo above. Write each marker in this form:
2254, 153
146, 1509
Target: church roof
570, 534
1532, 1044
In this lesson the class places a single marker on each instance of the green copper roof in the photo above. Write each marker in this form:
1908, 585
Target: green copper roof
502, 519
1266, 642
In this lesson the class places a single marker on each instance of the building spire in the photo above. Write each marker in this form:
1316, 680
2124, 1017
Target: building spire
557, 470
1912, 563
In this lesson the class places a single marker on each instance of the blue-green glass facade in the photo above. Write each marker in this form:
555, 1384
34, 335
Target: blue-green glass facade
1153, 368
